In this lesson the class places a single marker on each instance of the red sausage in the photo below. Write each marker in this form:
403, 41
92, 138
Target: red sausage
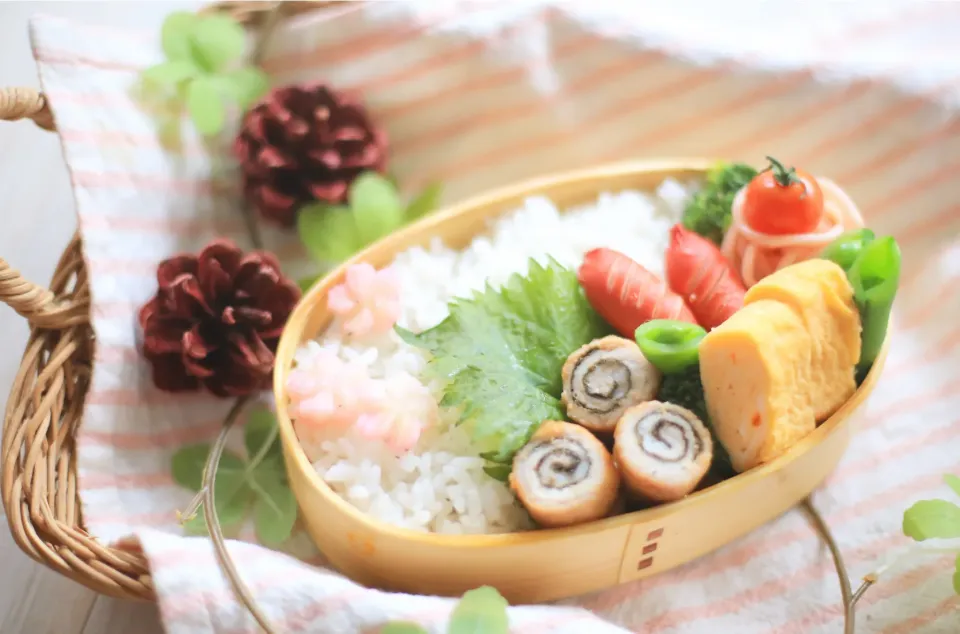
627, 295
697, 271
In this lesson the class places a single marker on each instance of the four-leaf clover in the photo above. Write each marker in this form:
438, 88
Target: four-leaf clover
258, 483
204, 69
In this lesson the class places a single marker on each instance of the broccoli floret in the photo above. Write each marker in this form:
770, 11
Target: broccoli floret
686, 390
708, 212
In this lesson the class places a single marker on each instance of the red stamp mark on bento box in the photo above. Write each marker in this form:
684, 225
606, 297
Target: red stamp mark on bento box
650, 547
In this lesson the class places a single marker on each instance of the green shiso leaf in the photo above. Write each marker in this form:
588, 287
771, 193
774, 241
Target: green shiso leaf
501, 352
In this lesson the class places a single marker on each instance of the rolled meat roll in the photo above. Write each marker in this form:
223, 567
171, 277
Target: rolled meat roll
564, 476
663, 450
603, 378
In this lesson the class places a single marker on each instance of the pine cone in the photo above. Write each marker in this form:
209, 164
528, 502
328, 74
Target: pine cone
303, 144
216, 320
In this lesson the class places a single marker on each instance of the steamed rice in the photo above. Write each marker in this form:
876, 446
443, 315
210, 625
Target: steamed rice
440, 486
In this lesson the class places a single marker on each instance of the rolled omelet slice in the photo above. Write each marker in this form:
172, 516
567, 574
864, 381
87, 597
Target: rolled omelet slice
819, 292
756, 373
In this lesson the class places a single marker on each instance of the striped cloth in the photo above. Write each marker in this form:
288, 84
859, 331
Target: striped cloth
483, 94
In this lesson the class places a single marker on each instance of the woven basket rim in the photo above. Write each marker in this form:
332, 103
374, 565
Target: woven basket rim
39, 486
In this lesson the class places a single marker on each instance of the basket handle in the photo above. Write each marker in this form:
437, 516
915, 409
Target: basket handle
25, 103
39, 305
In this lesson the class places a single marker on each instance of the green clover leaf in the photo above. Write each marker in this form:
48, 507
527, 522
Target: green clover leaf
216, 40
956, 576
205, 105
203, 73
932, 519
275, 509
170, 73
376, 206
480, 611
425, 202
175, 35
259, 481
328, 232
246, 85
402, 627
953, 482
374, 209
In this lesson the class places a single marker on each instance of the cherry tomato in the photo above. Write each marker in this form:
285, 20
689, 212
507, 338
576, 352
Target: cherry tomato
780, 201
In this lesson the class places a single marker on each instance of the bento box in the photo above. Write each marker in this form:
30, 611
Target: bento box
548, 563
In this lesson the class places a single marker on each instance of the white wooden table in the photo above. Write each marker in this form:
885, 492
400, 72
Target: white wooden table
38, 220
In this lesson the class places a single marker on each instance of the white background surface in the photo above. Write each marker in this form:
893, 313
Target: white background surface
37, 222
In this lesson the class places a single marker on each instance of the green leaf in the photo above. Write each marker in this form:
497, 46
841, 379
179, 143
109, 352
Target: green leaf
187, 463
402, 627
246, 85
956, 576
502, 350
425, 202
931, 519
175, 35
261, 428
329, 233
953, 482
306, 283
480, 611
231, 508
232, 494
170, 73
216, 41
170, 133
709, 211
376, 206
275, 509
205, 106
499, 472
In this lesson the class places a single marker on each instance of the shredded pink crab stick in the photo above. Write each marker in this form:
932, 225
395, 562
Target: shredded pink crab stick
408, 409
330, 393
368, 300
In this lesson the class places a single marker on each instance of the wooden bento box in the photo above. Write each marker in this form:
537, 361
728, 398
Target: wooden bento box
544, 564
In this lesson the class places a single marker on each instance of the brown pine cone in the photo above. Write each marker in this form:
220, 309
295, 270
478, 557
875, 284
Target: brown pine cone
303, 144
216, 320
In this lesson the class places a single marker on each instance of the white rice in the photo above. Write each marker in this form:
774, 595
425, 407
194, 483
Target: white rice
440, 486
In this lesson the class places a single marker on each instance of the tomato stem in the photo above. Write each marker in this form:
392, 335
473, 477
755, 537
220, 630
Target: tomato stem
784, 177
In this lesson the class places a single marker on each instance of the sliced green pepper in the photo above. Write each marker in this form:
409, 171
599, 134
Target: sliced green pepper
671, 346
847, 247
875, 277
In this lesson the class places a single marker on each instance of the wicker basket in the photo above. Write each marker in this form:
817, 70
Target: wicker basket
39, 484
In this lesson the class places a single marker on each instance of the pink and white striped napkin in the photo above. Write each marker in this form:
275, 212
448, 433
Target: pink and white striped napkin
482, 94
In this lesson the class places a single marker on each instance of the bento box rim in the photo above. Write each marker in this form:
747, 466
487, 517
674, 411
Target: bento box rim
291, 340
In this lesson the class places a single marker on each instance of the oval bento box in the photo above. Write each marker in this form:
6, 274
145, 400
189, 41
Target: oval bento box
546, 564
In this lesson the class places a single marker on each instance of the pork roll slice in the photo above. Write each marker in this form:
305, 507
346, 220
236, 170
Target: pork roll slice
564, 476
603, 378
663, 450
